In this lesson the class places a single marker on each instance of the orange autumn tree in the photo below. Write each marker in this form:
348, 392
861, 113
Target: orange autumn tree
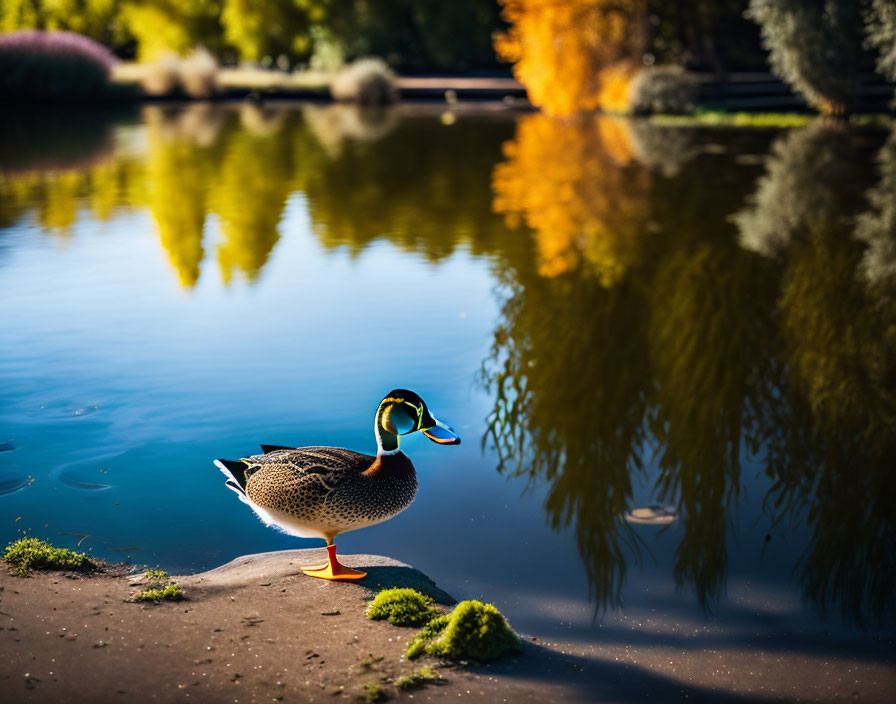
573, 55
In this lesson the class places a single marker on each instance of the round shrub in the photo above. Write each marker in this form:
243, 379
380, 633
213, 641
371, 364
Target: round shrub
663, 89
402, 607
367, 81
473, 630
199, 74
48, 65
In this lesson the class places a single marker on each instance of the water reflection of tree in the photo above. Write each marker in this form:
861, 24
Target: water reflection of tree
178, 172
425, 188
570, 400
833, 470
251, 188
575, 184
706, 353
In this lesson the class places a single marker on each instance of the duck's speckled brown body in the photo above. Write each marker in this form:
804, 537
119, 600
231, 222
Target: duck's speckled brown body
324, 491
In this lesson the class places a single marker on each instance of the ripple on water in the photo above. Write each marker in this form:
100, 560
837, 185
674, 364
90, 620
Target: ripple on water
10, 484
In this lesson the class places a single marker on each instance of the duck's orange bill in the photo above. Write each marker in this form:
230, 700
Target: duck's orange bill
442, 434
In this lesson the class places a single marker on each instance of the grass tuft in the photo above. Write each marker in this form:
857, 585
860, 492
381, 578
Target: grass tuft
473, 630
374, 692
402, 607
417, 679
156, 576
169, 592
31, 553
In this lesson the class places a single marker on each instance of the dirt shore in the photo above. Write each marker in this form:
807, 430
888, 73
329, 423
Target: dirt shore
257, 630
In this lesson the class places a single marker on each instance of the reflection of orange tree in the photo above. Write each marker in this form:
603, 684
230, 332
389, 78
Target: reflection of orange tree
575, 184
572, 55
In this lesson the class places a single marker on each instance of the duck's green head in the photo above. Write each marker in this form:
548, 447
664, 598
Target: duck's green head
402, 412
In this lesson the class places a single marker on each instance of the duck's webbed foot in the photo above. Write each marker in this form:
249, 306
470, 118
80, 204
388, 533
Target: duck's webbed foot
333, 569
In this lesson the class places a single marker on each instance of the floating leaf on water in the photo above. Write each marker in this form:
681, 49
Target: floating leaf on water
79, 484
11, 484
7, 446
86, 410
652, 515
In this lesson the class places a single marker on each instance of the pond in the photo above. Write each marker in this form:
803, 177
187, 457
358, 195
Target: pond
670, 352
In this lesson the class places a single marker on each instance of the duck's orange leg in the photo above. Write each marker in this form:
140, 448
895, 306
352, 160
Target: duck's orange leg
333, 569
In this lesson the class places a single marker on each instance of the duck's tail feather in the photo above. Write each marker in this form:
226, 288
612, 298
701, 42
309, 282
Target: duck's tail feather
236, 475
273, 448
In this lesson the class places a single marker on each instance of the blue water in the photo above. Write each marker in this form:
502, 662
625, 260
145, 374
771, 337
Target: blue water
303, 273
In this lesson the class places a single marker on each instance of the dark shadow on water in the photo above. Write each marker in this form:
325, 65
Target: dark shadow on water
55, 138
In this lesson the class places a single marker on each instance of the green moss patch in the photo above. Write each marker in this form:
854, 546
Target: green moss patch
473, 631
418, 678
156, 576
374, 692
402, 607
169, 592
31, 553
159, 587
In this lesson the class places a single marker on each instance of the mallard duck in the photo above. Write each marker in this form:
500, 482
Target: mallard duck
320, 492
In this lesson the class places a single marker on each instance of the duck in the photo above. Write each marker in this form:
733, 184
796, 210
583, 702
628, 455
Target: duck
322, 492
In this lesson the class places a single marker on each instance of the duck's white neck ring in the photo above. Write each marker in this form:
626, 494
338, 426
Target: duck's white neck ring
386, 442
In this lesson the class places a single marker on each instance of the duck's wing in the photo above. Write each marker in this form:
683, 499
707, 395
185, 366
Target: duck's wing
265, 449
329, 465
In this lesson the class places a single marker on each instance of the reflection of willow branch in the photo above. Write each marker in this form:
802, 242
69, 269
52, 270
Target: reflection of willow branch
831, 459
709, 322
580, 432
877, 227
811, 178
841, 351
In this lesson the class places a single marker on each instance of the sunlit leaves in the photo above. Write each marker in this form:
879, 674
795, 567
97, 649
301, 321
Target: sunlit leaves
562, 50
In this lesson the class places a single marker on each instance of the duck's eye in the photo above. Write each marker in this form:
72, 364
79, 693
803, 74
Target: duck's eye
399, 419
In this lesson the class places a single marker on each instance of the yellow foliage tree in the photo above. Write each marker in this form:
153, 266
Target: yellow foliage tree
573, 55
177, 26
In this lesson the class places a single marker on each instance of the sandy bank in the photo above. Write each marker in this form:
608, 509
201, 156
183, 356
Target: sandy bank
256, 630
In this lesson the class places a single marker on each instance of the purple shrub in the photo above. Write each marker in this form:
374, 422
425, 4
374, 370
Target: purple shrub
45, 65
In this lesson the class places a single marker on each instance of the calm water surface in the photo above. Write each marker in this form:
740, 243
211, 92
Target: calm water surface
613, 315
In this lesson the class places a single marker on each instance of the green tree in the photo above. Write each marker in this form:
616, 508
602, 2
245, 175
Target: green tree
417, 35
260, 28
816, 47
880, 17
